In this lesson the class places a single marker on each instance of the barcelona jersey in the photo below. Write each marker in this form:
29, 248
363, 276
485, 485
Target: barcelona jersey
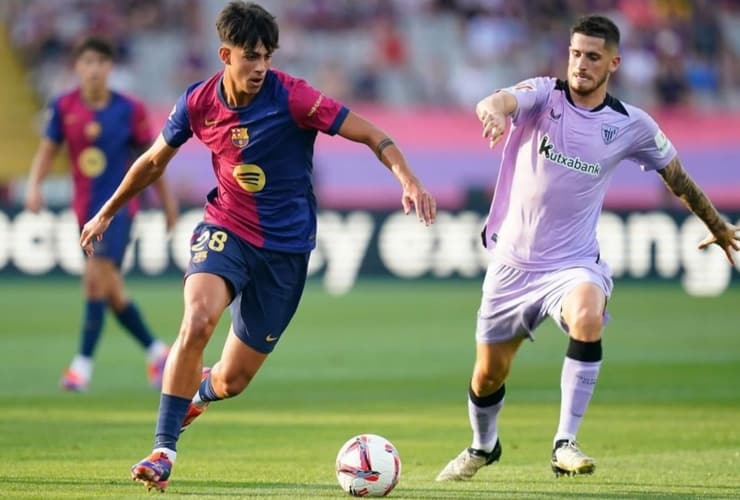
262, 156
102, 144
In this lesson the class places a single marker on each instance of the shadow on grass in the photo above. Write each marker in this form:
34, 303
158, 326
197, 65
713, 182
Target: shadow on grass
247, 489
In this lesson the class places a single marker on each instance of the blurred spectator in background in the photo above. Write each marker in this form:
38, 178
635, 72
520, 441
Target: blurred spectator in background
679, 55
408, 41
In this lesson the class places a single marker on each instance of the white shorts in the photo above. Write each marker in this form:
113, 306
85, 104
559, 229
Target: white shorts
515, 302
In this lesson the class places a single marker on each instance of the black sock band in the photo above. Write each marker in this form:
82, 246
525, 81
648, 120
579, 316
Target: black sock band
584, 351
486, 401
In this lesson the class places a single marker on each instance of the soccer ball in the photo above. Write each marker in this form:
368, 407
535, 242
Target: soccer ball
368, 466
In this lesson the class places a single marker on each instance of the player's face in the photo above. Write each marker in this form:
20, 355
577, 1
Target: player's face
92, 69
247, 68
590, 63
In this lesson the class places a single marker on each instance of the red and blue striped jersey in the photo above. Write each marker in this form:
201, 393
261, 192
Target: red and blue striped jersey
102, 144
262, 156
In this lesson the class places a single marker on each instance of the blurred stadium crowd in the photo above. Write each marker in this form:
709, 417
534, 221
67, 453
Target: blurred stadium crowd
445, 53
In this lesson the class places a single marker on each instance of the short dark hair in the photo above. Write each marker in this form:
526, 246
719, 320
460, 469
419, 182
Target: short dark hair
597, 26
245, 24
96, 44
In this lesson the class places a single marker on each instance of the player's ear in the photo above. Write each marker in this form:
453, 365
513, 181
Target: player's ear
224, 53
614, 64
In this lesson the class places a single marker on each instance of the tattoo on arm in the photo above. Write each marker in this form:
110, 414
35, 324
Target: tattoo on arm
683, 186
381, 146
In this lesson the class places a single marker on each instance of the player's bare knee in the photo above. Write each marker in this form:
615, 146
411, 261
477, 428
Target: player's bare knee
486, 380
586, 324
197, 327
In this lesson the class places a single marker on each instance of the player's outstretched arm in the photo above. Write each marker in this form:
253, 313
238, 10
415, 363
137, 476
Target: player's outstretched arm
683, 186
146, 169
40, 168
357, 129
169, 202
492, 112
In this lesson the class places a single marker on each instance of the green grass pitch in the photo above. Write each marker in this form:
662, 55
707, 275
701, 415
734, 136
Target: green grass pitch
391, 358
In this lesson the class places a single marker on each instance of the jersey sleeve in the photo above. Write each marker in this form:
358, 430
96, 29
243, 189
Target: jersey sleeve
652, 150
54, 130
531, 96
177, 130
313, 110
141, 131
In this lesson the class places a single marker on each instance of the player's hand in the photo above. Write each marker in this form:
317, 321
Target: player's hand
728, 240
494, 126
93, 231
34, 200
414, 195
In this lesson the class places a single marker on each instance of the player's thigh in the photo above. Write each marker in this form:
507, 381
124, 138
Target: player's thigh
511, 305
262, 310
98, 277
579, 296
217, 270
206, 296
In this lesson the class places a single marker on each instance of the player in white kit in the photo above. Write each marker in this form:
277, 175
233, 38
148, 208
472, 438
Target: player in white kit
565, 141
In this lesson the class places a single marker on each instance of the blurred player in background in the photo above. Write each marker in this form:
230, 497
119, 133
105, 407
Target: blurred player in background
252, 249
565, 142
103, 130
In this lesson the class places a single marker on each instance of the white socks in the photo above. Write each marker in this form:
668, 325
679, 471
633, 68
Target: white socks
577, 383
171, 454
484, 421
82, 366
154, 351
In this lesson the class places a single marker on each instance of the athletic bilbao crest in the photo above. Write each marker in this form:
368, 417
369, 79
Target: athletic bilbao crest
240, 137
608, 133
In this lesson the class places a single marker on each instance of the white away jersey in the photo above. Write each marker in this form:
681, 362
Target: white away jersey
555, 170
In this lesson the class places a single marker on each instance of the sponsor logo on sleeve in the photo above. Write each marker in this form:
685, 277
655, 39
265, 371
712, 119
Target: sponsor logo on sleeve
525, 86
316, 105
662, 143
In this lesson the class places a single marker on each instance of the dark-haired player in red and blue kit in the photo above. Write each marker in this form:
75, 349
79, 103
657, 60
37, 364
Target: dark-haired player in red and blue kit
103, 130
251, 250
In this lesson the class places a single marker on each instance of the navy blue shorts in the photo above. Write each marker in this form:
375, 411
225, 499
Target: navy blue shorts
115, 239
266, 286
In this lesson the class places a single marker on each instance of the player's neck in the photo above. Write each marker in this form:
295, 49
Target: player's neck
95, 98
591, 100
233, 96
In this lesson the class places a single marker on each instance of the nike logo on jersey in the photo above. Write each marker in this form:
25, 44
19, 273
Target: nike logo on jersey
270, 338
553, 115
210, 123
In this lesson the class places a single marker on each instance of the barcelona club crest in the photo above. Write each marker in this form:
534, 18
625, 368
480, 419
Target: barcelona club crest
240, 137
608, 133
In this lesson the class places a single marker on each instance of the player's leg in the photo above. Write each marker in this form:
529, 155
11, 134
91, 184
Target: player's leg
129, 316
485, 401
259, 315
507, 316
581, 313
206, 297
232, 374
95, 285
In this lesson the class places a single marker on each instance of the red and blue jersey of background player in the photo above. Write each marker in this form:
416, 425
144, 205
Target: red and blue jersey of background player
262, 156
102, 144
